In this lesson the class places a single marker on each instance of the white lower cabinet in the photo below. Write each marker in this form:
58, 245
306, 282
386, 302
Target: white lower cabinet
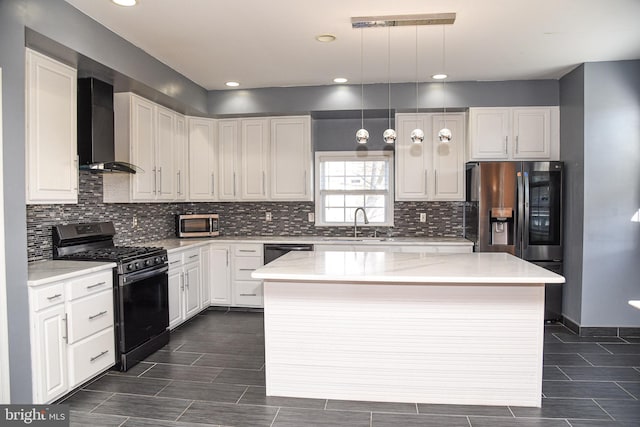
184, 285
72, 332
220, 277
246, 291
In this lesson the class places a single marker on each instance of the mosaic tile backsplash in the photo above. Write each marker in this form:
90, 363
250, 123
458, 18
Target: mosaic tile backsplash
156, 220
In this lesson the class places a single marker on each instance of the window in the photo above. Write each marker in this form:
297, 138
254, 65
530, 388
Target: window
346, 181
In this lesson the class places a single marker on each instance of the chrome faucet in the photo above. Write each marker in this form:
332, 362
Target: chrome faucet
355, 220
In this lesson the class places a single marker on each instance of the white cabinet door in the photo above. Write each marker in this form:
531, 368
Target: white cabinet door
221, 278
290, 169
205, 279
180, 153
532, 133
489, 130
202, 156
165, 151
142, 146
448, 158
50, 379
51, 147
413, 161
192, 289
254, 159
228, 154
176, 291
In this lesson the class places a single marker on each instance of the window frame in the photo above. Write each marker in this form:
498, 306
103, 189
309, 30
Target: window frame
350, 156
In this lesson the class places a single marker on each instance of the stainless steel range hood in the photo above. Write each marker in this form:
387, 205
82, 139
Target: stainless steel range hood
96, 144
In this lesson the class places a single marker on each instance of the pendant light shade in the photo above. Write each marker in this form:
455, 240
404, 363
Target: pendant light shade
445, 135
389, 136
417, 136
362, 135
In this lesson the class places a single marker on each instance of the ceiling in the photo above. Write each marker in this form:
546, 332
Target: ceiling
271, 43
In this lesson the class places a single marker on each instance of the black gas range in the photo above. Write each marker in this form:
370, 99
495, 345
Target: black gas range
140, 286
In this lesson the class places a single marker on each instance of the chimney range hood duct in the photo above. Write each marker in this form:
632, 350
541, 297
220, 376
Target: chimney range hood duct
96, 143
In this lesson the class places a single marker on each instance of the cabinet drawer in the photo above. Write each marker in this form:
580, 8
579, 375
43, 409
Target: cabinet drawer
248, 250
192, 255
89, 315
244, 266
248, 293
90, 284
175, 260
91, 356
47, 296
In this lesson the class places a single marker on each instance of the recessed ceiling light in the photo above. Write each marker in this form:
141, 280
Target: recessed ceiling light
340, 80
326, 38
125, 2
439, 76
232, 84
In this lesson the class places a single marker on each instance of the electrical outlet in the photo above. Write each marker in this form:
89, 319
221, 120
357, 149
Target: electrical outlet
267, 216
134, 221
423, 217
311, 217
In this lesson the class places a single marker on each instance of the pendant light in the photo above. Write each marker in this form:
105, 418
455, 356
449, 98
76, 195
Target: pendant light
445, 133
417, 135
362, 135
389, 135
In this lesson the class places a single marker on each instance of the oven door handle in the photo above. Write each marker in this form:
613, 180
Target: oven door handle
136, 277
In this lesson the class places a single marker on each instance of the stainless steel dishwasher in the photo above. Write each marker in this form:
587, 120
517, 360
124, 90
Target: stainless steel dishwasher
276, 250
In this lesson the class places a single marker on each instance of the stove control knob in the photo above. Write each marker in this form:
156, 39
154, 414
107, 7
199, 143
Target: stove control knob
137, 265
129, 266
165, 258
157, 260
147, 262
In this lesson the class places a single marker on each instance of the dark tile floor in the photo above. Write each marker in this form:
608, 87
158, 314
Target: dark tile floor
212, 373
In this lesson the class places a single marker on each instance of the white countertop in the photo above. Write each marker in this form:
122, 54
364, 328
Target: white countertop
41, 272
405, 267
173, 244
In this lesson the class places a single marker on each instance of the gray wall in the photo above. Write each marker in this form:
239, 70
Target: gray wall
611, 267
572, 153
600, 134
300, 100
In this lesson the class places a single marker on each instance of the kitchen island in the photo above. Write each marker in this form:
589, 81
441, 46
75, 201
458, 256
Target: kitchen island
405, 327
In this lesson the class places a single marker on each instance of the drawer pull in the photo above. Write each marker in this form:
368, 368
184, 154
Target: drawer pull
253, 251
247, 269
98, 356
96, 285
102, 313
194, 256
174, 262
248, 295
54, 297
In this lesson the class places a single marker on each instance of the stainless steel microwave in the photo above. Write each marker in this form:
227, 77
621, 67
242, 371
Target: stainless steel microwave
197, 225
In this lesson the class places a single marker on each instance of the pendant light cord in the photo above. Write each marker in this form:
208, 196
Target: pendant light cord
361, 79
389, 69
444, 104
416, 72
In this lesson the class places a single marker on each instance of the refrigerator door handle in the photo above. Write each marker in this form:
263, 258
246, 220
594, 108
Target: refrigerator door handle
525, 231
519, 216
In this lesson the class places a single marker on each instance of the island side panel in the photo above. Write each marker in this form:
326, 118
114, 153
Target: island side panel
473, 344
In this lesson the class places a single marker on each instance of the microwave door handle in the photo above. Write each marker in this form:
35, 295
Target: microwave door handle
210, 225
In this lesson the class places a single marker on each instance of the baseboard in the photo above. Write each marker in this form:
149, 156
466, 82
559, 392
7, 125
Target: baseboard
603, 331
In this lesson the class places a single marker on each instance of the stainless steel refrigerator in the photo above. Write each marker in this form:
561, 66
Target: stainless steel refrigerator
516, 207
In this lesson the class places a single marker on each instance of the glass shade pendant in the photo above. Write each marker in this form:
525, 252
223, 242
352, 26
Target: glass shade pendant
417, 136
362, 136
389, 136
445, 135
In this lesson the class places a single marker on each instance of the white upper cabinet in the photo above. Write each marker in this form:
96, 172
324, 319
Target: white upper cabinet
448, 158
255, 158
152, 138
431, 170
228, 158
51, 145
515, 133
291, 159
202, 159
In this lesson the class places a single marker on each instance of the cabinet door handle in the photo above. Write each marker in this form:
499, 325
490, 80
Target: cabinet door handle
506, 141
213, 183
98, 356
65, 337
248, 295
234, 183
516, 149
155, 181
183, 282
52, 297
179, 184
102, 313
77, 170
227, 253
435, 177
160, 180
96, 285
